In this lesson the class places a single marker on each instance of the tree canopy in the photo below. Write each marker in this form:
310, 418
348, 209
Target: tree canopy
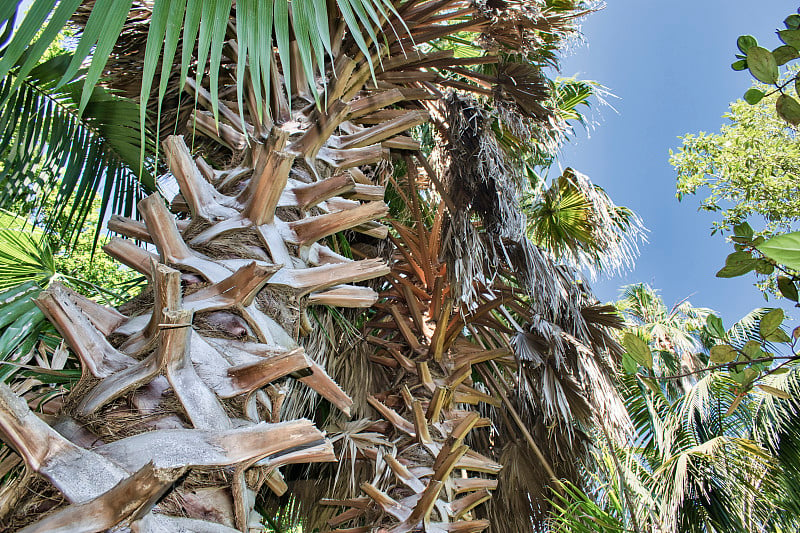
750, 168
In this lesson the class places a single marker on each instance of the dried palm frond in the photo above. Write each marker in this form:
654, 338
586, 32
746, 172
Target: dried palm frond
200, 361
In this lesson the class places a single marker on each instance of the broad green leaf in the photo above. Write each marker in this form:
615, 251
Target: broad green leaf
787, 288
778, 393
790, 37
629, 364
764, 267
783, 249
788, 109
745, 42
715, 327
737, 258
638, 349
744, 378
784, 54
792, 22
737, 264
753, 96
734, 271
752, 350
739, 65
722, 353
770, 322
762, 64
743, 230
778, 336
737, 376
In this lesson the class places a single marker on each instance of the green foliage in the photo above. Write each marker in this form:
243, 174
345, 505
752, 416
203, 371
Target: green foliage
638, 350
784, 249
576, 221
201, 23
30, 259
751, 168
574, 511
764, 66
714, 424
46, 144
664, 338
777, 258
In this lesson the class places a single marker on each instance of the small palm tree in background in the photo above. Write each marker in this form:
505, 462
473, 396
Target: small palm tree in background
706, 453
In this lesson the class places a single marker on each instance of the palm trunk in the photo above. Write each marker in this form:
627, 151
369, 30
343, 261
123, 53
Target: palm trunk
434, 480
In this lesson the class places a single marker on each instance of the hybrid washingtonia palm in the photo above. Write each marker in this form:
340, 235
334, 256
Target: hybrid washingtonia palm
175, 421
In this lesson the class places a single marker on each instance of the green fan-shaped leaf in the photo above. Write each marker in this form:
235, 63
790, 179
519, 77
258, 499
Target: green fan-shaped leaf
24, 258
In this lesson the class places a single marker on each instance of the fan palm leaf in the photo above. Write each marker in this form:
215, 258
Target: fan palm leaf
577, 222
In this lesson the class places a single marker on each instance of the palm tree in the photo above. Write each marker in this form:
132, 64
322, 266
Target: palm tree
709, 455
676, 335
177, 419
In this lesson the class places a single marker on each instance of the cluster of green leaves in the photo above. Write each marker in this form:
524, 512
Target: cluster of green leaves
778, 255
688, 341
752, 360
764, 65
751, 169
713, 423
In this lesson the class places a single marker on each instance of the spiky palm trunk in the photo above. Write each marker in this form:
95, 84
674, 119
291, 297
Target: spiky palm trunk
432, 480
174, 425
173, 391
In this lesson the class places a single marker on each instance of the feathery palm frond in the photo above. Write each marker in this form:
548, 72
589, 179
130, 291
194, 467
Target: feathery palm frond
574, 511
47, 144
185, 23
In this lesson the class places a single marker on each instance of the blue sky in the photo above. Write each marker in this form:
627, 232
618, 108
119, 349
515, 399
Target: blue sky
669, 64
